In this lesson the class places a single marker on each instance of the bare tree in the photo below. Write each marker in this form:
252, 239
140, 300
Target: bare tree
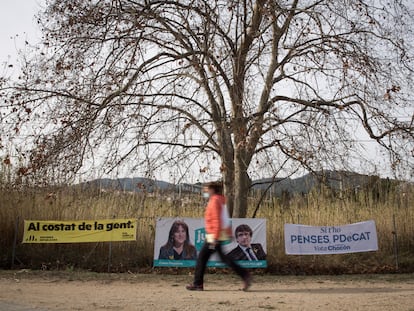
254, 84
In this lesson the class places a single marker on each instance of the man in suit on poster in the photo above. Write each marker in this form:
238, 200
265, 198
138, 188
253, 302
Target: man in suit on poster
246, 250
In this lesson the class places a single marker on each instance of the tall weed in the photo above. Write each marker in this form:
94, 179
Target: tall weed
320, 208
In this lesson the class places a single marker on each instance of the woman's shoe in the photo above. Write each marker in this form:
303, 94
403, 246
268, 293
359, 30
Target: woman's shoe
247, 282
194, 287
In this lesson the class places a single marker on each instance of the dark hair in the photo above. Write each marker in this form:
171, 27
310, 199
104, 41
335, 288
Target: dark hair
216, 186
188, 247
243, 228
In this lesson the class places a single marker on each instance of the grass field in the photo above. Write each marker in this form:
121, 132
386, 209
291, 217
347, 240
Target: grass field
393, 213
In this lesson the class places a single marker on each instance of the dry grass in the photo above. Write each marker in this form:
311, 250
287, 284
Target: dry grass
318, 208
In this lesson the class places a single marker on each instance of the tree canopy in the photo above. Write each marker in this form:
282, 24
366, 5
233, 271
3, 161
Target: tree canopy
257, 87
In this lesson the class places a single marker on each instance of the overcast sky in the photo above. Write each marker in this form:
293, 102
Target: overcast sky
17, 18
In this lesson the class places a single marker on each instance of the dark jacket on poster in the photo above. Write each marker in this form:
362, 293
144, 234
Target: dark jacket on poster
238, 254
168, 253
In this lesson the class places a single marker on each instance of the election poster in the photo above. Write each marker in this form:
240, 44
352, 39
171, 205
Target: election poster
321, 240
178, 242
54, 231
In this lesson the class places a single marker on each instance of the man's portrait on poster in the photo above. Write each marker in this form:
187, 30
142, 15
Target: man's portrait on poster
246, 250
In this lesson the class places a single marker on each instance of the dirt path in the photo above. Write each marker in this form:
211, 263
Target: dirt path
34, 291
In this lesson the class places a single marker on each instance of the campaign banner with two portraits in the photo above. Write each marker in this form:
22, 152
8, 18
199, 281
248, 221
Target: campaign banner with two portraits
179, 240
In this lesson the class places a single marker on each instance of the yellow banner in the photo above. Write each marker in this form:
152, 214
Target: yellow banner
106, 230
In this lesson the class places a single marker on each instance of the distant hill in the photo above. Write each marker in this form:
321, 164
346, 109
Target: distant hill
333, 179
336, 180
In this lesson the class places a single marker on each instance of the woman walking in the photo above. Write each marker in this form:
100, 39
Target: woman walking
216, 235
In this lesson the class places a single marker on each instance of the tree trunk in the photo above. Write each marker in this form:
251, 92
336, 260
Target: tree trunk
241, 188
228, 180
227, 166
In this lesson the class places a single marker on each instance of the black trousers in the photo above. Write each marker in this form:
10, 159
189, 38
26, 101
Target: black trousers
206, 251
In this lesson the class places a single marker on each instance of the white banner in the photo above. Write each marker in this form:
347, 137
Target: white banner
312, 240
179, 240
